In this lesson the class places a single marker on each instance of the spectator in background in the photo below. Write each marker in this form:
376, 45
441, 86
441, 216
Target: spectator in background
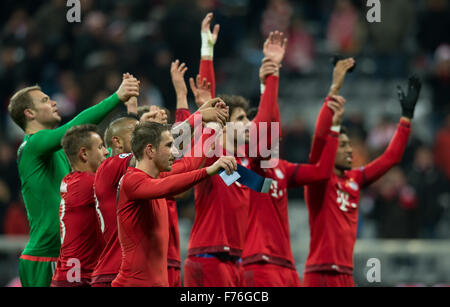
431, 186
433, 25
300, 50
346, 32
381, 135
442, 148
388, 38
440, 84
277, 16
396, 207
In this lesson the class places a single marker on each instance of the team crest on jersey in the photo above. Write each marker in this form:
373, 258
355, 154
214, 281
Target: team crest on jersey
123, 156
63, 187
279, 173
353, 185
244, 162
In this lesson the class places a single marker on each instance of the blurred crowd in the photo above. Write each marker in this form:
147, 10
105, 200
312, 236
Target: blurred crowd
79, 64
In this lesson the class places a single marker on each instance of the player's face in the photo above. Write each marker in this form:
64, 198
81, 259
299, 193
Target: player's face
344, 156
97, 152
165, 154
240, 119
45, 110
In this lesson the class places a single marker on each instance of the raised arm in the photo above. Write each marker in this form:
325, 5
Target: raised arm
209, 39
149, 188
303, 174
325, 118
47, 141
394, 153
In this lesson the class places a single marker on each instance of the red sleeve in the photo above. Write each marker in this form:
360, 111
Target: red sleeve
181, 115
323, 125
191, 162
207, 71
144, 187
304, 174
391, 157
266, 114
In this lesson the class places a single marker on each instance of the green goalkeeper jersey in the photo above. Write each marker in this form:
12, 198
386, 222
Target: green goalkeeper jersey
42, 165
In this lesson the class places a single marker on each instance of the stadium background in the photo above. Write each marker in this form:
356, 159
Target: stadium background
404, 217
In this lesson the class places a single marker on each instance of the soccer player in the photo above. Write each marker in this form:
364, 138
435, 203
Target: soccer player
333, 204
81, 237
217, 237
42, 165
267, 257
118, 138
142, 210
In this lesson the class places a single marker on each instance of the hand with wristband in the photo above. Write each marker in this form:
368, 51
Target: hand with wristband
409, 101
209, 38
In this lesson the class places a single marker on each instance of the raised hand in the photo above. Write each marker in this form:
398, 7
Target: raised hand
208, 39
409, 101
201, 90
155, 115
177, 71
128, 88
267, 68
337, 105
229, 164
275, 47
339, 73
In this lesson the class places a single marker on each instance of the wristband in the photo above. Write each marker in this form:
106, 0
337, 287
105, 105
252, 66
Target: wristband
263, 88
336, 129
207, 44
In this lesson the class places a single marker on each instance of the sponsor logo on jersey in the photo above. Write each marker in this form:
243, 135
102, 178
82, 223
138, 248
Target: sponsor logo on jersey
123, 156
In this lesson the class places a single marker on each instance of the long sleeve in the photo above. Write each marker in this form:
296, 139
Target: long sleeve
207, 71
149, 188
391, 157
305, 174
49, 140
181, 115
323, 125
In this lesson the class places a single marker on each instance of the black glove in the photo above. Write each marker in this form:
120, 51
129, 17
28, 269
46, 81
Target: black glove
409, 101
337, 58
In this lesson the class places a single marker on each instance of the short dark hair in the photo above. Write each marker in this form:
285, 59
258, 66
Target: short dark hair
144, 134
234, 102
75, 138
344, 130
116, 128
251, 113
19, 102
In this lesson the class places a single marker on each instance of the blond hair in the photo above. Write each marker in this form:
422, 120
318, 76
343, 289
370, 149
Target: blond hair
19, 102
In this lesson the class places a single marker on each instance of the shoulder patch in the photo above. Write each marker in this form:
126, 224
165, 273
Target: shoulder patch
279, 173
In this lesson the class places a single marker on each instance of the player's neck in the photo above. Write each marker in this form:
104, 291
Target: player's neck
34, 127
82, 167
339, 172
148, 167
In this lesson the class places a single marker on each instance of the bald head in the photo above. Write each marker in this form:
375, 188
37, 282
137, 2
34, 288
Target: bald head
118, 134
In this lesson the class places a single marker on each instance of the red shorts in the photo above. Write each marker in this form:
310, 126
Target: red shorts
211, 272
327, 279
84, 283
270, 275
174, 276
101, 285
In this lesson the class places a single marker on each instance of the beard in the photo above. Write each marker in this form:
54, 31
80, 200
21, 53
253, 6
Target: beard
343, 168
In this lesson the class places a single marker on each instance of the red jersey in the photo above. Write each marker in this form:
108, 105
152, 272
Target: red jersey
333, 205
221, 212
268, 236
106, 182
143, 225
81, 237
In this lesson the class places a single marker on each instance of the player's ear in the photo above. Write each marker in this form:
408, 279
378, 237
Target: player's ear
149, 150
83, 155
29, 114
117, 142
